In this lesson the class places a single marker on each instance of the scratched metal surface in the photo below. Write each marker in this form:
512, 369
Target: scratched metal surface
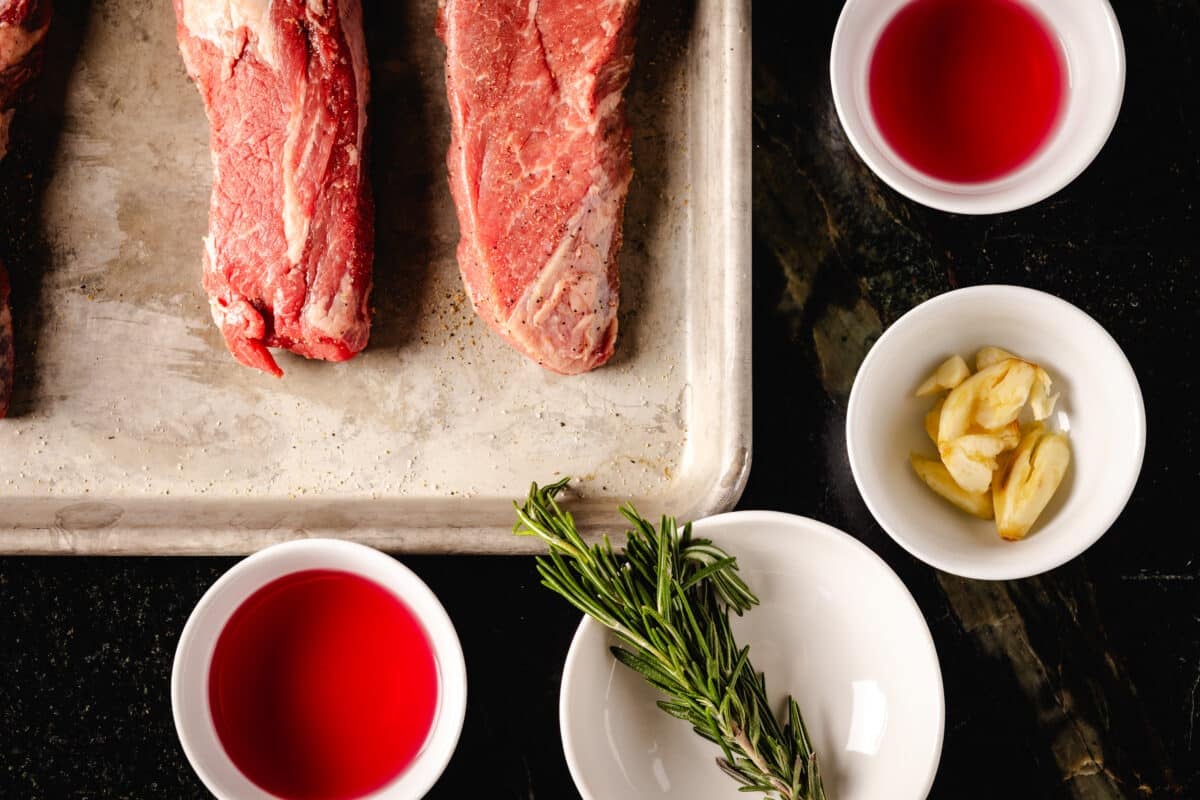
133, 431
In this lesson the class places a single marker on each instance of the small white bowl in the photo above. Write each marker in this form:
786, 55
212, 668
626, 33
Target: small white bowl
193, 658
1101, 408
1095, 54
836, 629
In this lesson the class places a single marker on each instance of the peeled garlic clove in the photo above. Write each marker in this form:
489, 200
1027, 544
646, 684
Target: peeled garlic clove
989, 356
951, 373
972, 475
1024, 490
932, 418
1040, 400
938, 478
1009, 435
990, 399
1004, 399
958, 410
971, 460
981, 445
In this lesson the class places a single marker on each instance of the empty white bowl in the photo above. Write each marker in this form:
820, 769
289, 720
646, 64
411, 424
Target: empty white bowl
193, 658
1095, 55
836, 629
1101, 408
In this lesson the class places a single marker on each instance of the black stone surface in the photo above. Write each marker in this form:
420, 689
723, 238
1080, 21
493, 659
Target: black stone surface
1080, 684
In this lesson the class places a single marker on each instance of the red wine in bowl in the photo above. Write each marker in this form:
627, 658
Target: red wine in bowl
967, 91
323, 686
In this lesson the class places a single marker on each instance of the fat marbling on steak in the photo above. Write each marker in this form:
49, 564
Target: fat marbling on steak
23, 26
540, 166
287, 260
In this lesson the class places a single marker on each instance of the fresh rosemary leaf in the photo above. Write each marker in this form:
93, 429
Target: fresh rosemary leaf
668, 600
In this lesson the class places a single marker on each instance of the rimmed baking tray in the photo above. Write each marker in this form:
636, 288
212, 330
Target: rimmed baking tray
133, 431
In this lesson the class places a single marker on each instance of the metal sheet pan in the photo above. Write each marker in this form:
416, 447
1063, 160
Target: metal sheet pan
133, 431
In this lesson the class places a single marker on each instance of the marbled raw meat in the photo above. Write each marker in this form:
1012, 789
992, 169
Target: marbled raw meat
287, 260
540, 165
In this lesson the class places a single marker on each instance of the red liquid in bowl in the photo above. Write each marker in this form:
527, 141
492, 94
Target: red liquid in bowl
967, 91
323, 686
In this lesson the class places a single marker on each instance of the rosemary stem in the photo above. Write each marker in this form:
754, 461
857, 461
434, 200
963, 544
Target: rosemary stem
668, 599
751, 752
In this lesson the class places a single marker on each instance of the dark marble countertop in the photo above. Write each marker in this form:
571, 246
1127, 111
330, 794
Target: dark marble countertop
1082, 683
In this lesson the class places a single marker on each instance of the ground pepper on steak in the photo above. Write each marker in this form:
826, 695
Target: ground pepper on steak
540, 162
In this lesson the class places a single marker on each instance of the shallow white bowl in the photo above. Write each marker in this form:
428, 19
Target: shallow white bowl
193, 658
1101, 408
836, 628
1095, 54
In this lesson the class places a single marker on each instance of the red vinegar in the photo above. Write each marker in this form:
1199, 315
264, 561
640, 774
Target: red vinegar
967, 91
323, 686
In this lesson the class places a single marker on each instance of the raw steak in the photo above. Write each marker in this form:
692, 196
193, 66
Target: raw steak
539, 167
23, 25
287, 261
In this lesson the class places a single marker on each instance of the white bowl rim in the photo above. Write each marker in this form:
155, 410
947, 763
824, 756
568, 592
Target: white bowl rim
441, 741
985, 572
799, 523
984, 203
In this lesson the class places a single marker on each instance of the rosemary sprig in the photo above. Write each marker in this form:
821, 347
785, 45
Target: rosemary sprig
668, 599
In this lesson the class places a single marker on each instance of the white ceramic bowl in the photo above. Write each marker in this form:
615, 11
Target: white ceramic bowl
836, 628
1101, 408
193, 658
1095, 55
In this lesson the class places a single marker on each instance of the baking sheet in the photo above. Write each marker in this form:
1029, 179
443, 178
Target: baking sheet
133, 431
